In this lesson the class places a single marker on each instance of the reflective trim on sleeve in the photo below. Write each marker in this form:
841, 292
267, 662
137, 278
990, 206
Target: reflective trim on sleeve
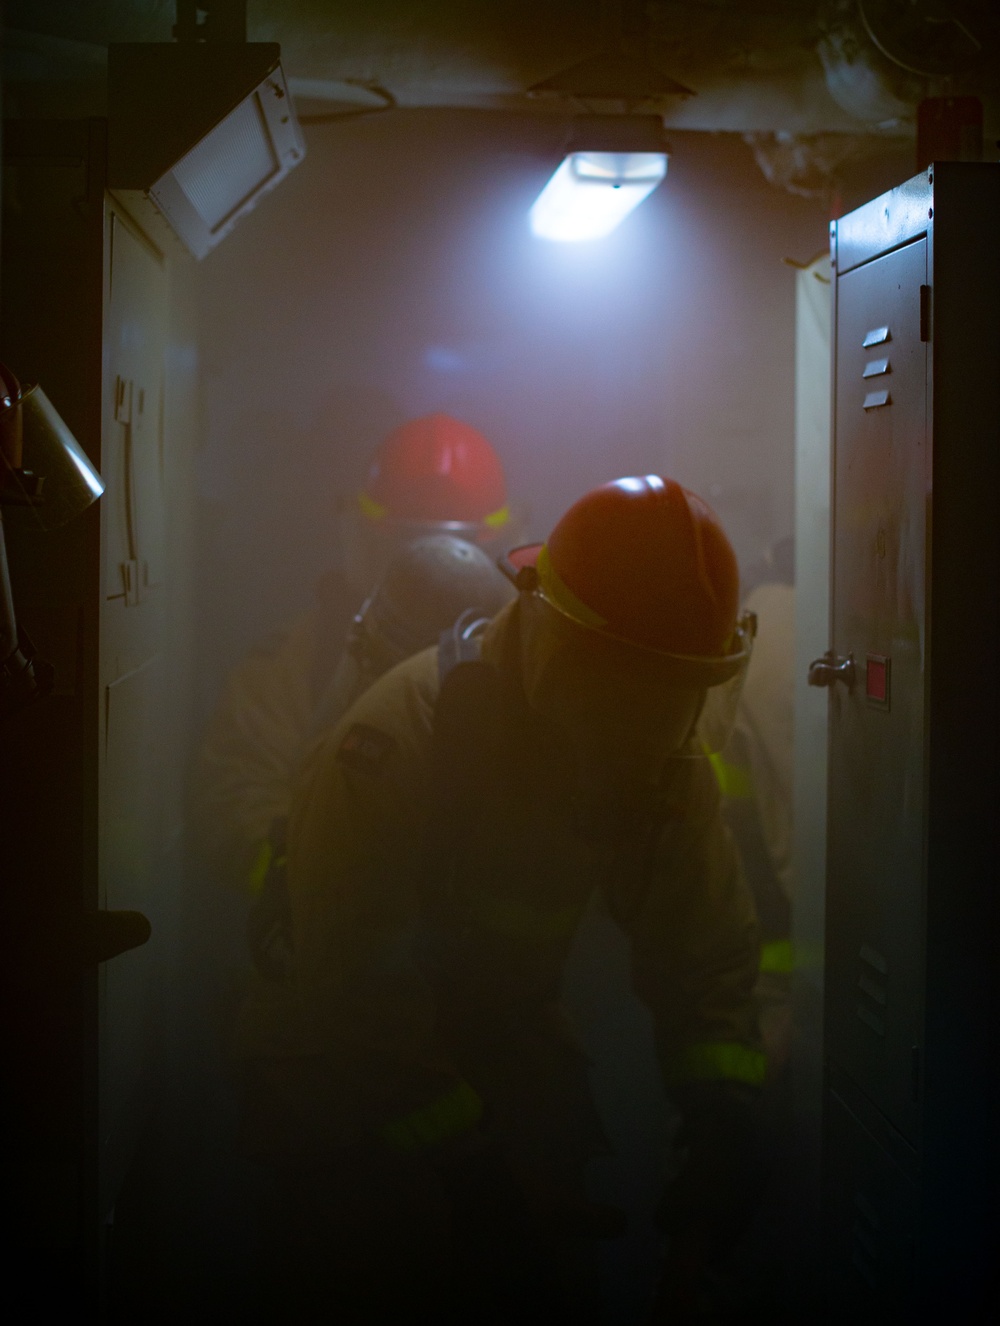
451, 1114
261, 865
716, 1061
265, 860
735, 780
777, 957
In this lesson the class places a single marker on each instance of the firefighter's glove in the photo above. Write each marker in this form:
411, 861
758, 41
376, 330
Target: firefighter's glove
723, 1168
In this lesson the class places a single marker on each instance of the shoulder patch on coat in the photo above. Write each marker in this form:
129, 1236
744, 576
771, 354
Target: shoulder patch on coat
365, 749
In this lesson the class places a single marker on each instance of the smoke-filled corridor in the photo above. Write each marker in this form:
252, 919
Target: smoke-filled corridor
487, 835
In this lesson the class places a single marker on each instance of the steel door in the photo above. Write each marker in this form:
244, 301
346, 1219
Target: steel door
877, 761
136, 704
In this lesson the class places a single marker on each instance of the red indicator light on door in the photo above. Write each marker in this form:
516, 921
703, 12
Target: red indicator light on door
877, 679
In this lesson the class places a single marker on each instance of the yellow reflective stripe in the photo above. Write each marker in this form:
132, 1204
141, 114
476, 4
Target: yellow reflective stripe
715, 1061
777, 957
559, 593
370, 508
518, 920
261, 865
449, 1115
497, 518
735, 780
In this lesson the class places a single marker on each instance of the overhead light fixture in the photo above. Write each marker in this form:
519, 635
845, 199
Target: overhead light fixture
200, 131
593, 192
613, 163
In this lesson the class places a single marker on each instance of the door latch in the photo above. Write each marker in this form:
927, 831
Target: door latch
830, 669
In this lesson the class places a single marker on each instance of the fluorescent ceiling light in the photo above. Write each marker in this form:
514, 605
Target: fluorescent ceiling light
593, 192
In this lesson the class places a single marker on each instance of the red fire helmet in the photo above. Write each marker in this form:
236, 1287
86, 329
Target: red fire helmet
437, 471
647, 561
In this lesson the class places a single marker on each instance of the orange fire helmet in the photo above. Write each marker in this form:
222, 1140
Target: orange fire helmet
437, 472
645, 560
642, 562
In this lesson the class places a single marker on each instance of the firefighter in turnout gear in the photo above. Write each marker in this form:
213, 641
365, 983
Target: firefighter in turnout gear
432, 476
428, 584
445, 840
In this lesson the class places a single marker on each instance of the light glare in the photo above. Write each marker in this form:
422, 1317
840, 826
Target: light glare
592, 192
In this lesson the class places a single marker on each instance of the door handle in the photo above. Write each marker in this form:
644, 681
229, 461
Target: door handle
830, 669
